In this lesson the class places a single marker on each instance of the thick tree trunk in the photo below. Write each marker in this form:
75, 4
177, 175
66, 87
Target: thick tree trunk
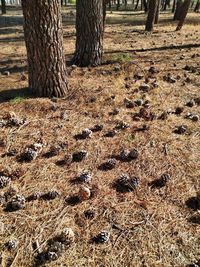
3, 6
44, 43
151, 15
89, 33
184, 10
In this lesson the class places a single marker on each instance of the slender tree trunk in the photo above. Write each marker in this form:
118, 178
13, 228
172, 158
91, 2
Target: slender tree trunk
197, 6
173, 6
145, 6
157, 13
44, 44
89, 32
184, 11
178, 10
151, 15
3, 6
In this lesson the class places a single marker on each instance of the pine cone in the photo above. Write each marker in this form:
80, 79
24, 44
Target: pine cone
17, 202
84, 193
102, 237
79, 156
85, 177
4, 181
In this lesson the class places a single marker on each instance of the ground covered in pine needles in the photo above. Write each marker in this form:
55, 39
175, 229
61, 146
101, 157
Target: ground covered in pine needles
145, 99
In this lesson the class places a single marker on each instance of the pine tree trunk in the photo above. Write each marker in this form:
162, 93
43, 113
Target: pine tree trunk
184, 10
178, 10
197, 6
173, 6
151, 15
89, 33
157, 13
3, 6
44, 43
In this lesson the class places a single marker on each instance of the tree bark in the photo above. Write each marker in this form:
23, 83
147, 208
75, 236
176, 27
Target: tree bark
44, 44
151, 15
3, 6
178, 10
197, 6
157, 13
184, 10
89, 33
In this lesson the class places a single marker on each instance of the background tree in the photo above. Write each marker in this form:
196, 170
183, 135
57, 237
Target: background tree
184, 10
3, 6
44, 43
151, 15
89, 33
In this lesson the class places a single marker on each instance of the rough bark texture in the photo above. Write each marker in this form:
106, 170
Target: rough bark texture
184, 10
151, 15
3, 6
89, 33
44, 43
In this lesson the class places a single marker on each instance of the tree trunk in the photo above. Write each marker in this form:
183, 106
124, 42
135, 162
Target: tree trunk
197, 6
89, 33
184, 10
151, 15
178, 10
173, 6
3, 6
145, 6
44, 44
157, 13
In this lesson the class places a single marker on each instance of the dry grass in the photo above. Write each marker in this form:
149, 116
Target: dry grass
154, 223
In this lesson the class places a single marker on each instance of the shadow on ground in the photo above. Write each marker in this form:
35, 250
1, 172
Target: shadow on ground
15, 95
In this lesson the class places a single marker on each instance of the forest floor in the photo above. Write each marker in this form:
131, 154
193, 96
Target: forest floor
157, 224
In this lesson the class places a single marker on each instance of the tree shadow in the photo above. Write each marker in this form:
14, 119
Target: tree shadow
12, 94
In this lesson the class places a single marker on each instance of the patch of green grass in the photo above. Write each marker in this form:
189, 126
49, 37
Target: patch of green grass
17, 99
130, 138
122, 57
